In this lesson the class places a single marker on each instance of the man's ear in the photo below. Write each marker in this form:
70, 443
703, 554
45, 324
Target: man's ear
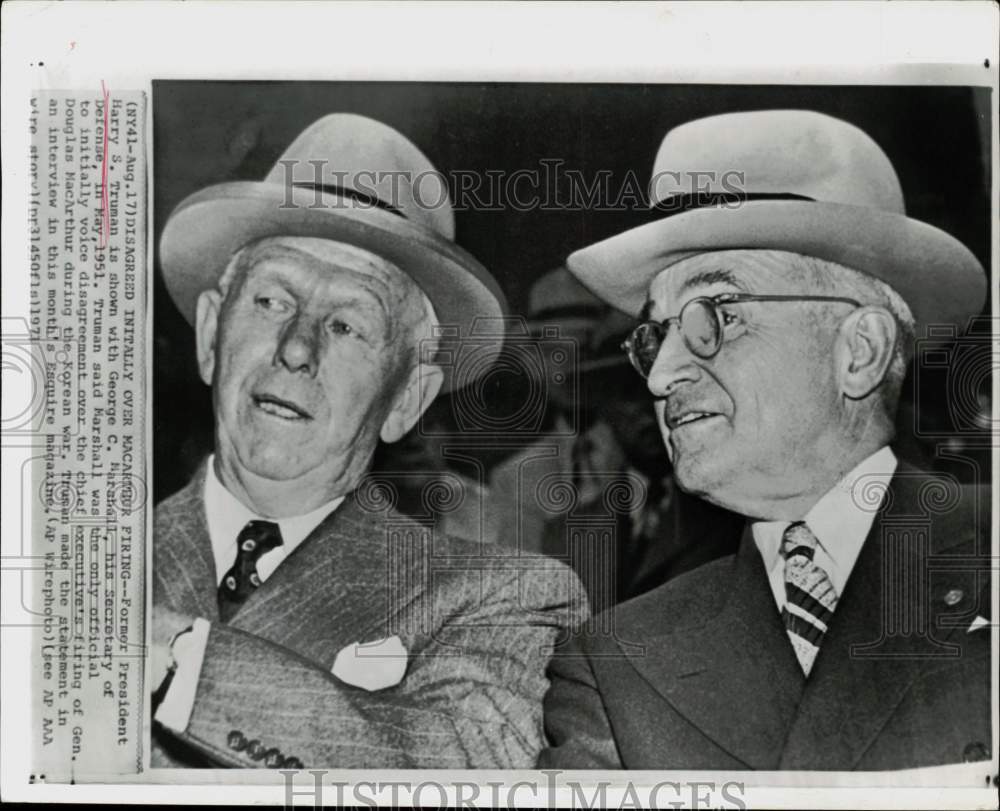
206, 327
421, 389
868, 339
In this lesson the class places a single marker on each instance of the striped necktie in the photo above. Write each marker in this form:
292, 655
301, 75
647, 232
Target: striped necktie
810, 597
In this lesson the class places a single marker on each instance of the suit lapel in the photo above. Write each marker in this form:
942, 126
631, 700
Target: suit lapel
184, 567
730, 670
330, 592
882, 633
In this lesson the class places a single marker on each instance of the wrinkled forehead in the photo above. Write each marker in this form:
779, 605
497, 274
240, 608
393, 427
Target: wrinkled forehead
391, 285
706, 274
324, 254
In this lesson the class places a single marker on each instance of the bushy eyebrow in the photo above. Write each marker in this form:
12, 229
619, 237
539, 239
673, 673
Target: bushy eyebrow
368, 302
709, 277
705, 278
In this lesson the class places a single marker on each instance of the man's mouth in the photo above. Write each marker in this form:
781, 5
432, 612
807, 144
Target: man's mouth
688, 418
277, 407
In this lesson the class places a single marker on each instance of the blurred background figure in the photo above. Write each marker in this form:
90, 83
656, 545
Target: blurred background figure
430, 479
594, 485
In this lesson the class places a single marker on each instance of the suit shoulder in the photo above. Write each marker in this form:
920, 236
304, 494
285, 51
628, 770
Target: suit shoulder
959, 513
179, 504
695, 590
534, 582
687, 598
483, 555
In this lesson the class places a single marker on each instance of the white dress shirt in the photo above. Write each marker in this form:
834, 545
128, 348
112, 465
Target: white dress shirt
226, 516
840, 520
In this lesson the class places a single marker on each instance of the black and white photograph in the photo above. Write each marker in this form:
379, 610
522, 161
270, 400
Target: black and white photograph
511, 404
599, 546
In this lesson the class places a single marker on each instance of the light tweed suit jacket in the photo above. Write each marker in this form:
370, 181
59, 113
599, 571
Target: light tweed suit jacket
479, 623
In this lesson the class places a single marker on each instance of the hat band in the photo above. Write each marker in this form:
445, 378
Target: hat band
679, 203
353, 194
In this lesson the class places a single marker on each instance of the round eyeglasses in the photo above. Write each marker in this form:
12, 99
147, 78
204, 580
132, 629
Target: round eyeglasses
705, 323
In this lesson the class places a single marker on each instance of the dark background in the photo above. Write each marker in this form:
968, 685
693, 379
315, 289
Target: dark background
209, 132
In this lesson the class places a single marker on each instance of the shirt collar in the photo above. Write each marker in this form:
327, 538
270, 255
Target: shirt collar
840, 520
227, 515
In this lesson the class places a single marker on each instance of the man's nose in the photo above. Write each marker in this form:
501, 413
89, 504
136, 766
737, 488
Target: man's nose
299, 345
674, 365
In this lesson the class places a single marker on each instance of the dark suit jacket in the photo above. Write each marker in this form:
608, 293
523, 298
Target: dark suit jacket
478, 623
699, 673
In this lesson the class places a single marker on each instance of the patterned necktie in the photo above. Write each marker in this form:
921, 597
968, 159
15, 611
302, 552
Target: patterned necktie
256, 538
810, 597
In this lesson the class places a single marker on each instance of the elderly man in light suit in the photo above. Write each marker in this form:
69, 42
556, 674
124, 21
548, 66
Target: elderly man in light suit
850, 629
297, 619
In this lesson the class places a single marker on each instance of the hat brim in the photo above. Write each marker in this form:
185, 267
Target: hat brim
208, 227
938, 277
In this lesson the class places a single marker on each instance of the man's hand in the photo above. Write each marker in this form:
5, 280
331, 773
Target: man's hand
166, 624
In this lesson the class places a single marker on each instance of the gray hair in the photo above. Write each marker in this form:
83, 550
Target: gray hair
236, 263
835, 279
426, 335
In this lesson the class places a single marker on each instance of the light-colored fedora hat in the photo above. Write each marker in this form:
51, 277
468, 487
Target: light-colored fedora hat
792, 180
349, 179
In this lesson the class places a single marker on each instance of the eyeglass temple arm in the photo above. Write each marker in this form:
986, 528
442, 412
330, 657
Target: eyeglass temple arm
731, 298
736, 298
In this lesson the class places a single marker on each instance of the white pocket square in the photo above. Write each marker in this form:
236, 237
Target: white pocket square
372, 665
977, 623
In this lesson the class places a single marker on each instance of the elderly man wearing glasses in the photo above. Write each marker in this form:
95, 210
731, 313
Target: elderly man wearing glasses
850, 629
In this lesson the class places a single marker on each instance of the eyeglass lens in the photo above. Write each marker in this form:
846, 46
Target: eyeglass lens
699, 326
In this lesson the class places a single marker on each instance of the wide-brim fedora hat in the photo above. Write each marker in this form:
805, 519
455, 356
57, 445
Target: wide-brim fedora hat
791, 180
351, 179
